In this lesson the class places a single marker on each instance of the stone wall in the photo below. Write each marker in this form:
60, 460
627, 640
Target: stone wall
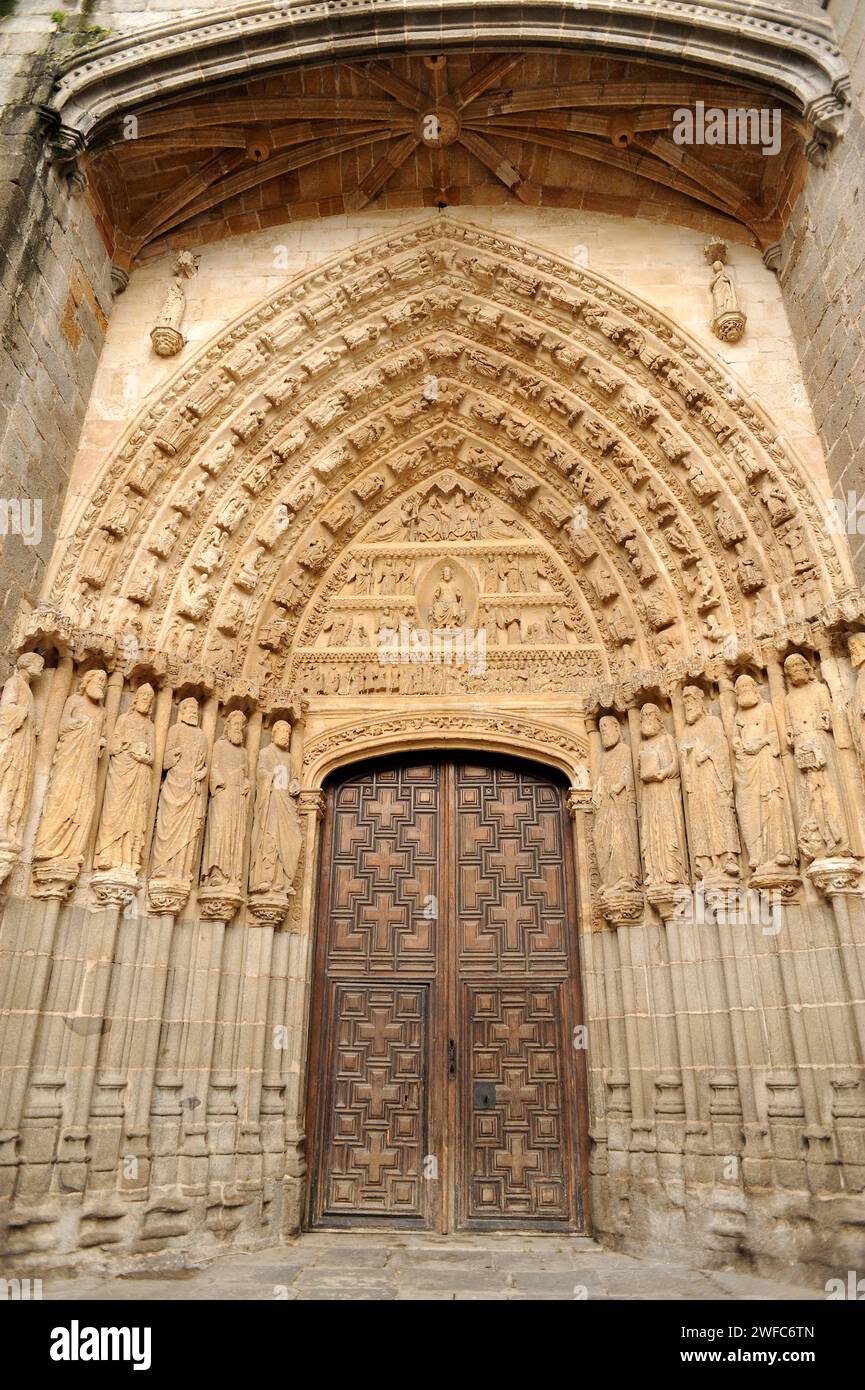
54, 305
823, 281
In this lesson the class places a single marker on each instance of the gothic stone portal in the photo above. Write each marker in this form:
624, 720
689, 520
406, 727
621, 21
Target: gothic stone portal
444, 1089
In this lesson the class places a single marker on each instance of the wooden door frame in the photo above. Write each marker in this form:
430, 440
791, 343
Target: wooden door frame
319, 1040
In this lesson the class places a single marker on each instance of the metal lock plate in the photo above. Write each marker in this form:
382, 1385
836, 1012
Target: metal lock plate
485, 1095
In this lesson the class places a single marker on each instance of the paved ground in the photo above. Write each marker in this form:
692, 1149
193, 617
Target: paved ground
376, 1265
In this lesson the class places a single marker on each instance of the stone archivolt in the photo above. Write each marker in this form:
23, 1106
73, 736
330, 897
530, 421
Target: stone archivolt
444, 426
638, 467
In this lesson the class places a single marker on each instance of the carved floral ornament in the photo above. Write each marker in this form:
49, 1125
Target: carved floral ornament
505, 401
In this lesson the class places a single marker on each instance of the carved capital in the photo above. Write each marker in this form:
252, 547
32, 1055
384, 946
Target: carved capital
54, 879
219, 904
621, 907
46, 626
312, 802
114, 887
839, 874
785, 883
667, 898
269, 909
579, 799
166, 896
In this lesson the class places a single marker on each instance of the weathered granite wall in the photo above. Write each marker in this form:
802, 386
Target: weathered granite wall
823, 281
54, 305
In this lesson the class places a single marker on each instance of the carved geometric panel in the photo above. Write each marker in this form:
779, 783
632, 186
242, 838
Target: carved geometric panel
384, 872
511, 892
517, 1146
375, 1137
443, 965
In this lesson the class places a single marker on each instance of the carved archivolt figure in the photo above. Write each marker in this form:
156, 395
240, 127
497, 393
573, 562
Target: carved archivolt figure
222, 865
71, 798
17, 742
708, 777
662, 825
614, 801
822, 826
181, 799
761, 792
276, 834
120, 842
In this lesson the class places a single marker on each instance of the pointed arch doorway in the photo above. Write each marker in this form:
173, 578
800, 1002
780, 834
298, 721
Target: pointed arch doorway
445, 1090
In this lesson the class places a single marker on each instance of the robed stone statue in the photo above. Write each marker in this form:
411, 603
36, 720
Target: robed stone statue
17, 744
120, 842
707, 774
822, 826
71, 798
222, 864
615, 823
761, 792
662, 826
181, 798
276, 834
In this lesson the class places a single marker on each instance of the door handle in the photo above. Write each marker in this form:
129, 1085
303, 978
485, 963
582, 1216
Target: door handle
452, 1058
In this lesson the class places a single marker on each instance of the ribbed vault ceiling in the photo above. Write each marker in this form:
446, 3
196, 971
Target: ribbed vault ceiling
547, 130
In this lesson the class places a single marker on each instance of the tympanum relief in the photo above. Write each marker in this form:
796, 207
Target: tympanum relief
445, 561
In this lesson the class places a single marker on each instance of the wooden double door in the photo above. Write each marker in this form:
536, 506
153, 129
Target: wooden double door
446, 1090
